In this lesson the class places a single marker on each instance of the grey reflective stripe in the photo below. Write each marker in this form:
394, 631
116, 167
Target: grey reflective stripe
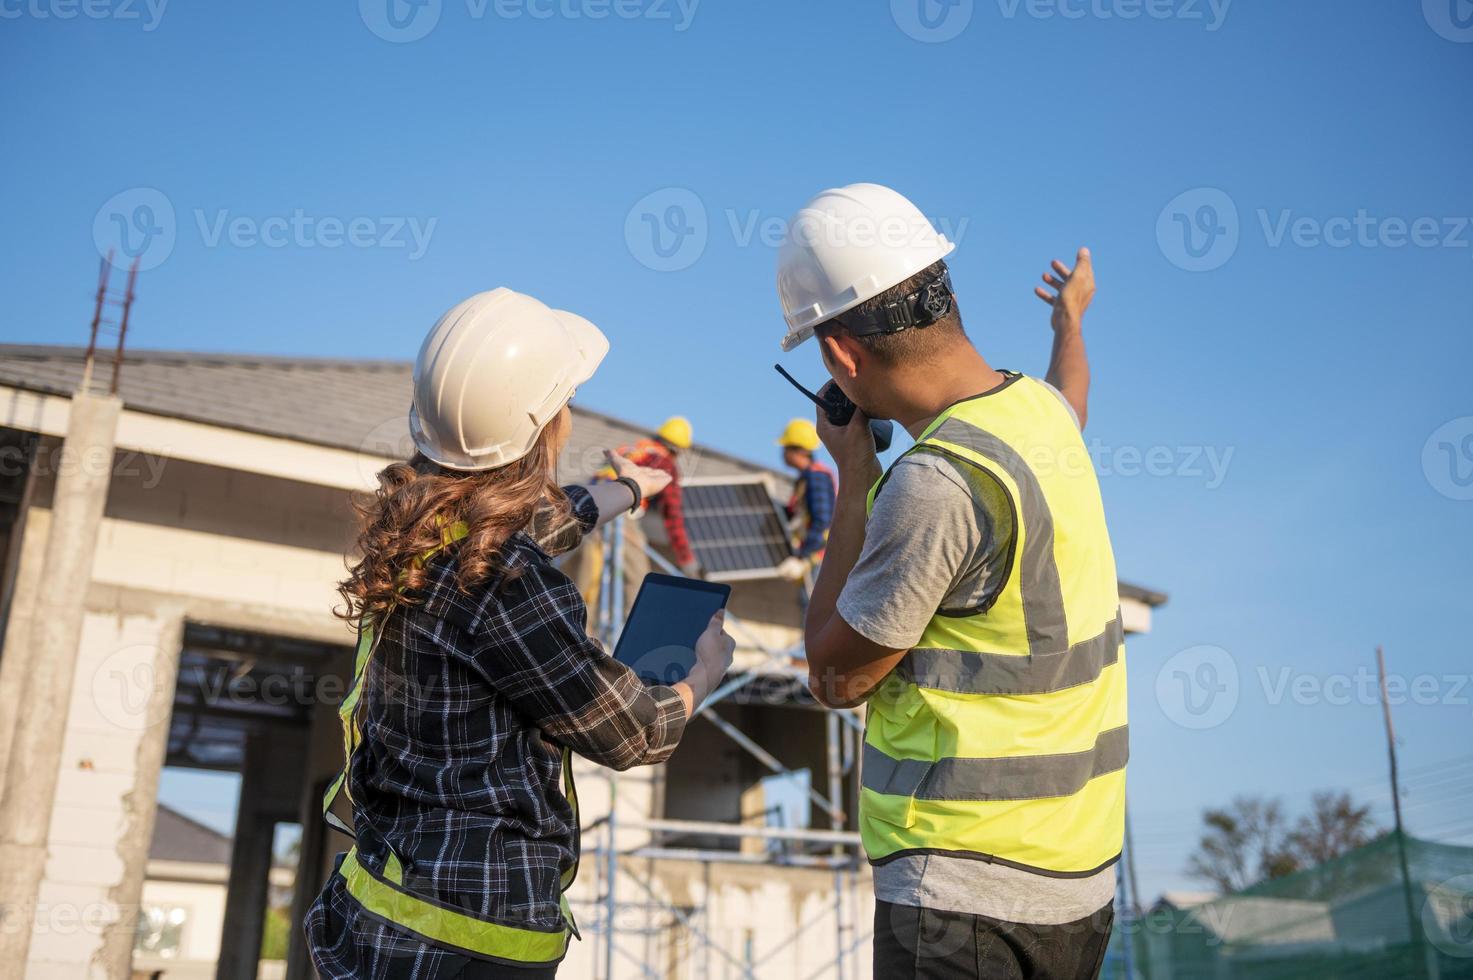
1000, 673
1043, 596
1028, 777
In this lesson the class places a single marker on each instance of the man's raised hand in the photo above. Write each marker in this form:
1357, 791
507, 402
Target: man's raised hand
1070, 290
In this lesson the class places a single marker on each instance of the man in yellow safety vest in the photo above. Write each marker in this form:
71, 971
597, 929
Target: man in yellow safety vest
968, 600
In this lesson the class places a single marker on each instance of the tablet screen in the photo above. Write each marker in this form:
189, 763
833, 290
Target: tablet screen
669, 615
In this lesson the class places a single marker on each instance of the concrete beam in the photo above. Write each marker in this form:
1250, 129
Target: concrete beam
197, 442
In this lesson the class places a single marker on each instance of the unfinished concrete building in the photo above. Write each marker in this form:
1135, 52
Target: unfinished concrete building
201, 594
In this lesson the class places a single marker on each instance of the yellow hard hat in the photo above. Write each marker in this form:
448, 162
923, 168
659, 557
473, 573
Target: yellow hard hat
676, 431
800, 434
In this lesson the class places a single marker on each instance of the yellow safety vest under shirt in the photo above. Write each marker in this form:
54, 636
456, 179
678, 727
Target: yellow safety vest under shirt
1002, 734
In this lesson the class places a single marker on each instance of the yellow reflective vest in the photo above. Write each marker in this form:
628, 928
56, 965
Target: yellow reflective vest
1002, 735
381, 891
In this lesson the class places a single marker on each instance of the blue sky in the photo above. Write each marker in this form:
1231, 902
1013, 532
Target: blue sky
1281, 413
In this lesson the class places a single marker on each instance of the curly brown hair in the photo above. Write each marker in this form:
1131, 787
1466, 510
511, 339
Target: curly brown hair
408, 516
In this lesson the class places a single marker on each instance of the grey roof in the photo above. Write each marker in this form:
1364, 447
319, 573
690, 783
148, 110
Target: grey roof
180, 838
346, 404
1142, 594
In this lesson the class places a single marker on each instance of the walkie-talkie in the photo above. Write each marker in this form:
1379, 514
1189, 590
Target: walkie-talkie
839, 410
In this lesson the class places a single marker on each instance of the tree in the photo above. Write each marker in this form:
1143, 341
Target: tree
1244, 843
1333, 826
1251, 840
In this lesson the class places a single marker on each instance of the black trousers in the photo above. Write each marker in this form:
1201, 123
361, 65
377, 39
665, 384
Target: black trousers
912, 942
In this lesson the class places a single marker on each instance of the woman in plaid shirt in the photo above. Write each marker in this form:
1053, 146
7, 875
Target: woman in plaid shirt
480, 673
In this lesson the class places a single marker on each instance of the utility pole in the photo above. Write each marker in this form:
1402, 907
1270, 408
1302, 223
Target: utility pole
1133, 909
1413, 925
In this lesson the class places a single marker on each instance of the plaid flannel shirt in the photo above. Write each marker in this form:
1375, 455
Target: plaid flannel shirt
464, 707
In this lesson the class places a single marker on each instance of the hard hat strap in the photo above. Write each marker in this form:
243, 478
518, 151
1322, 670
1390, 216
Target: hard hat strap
920, 308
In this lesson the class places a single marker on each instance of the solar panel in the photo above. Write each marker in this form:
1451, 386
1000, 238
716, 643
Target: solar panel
735, 529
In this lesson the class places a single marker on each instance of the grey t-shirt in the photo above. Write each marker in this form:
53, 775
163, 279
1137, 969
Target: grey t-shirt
937, 538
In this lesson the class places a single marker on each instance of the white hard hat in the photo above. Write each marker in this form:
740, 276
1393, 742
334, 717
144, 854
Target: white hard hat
492, 373
847, 245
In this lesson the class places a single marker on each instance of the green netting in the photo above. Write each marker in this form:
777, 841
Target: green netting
1351, 918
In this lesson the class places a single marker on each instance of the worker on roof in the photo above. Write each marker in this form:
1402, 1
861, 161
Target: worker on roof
658, 453
475, 677
811, 506
968, 600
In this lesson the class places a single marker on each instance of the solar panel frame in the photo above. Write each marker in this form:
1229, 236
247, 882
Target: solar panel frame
736, 530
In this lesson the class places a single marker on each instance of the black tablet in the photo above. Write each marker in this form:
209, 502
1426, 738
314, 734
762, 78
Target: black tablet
669, 615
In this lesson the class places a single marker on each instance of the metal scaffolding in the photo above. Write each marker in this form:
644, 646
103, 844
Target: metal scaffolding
836, 849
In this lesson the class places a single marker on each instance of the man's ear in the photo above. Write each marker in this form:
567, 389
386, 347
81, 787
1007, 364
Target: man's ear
841, 354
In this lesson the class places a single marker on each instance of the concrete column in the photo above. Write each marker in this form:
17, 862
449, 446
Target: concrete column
250, 867
141, 804
40, 726
16, 657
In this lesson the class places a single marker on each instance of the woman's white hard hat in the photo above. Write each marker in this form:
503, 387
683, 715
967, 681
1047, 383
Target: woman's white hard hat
847, 245
494, 370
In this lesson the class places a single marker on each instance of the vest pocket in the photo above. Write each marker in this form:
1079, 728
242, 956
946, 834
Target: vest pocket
900, 811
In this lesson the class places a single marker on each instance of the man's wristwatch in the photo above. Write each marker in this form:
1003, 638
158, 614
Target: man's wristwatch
634, 489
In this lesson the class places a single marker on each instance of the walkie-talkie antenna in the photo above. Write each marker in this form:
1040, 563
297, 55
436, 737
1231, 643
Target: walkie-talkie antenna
794, 382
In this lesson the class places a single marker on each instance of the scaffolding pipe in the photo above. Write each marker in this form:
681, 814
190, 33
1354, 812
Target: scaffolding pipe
843, 846
714, 829
615, 624
836, 821
735, 857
